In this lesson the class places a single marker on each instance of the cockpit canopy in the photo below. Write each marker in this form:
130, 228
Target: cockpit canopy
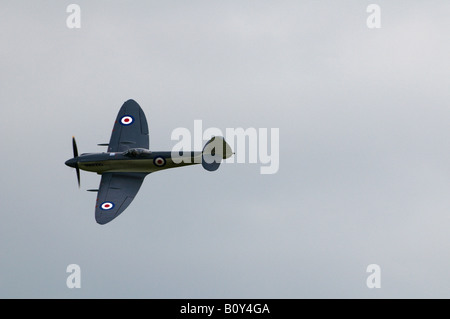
136, 152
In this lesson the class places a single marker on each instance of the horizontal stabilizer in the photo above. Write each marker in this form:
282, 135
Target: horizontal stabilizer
215, 150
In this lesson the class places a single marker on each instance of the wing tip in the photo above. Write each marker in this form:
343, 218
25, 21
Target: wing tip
103, 221
131, 101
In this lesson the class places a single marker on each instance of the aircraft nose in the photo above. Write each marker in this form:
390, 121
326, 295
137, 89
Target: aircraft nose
72, 162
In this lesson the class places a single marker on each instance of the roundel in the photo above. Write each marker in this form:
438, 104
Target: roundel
107, 206
159, 161
126, 120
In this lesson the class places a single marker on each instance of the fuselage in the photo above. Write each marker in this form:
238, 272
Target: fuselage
133, 160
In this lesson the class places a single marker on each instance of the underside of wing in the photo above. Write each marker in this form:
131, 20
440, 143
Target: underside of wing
116, 192
130, 129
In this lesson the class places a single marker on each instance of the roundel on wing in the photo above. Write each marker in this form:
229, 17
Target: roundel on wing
159, 161
107, 205
126, 120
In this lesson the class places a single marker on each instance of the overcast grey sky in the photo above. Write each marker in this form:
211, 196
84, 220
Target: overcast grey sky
364, 170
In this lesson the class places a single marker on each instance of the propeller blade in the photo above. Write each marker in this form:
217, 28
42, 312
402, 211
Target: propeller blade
74, 145
78, 175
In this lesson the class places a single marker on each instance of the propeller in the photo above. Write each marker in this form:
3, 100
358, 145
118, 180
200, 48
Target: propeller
74, 162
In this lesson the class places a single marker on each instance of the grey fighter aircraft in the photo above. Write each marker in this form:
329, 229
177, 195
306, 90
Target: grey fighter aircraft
128, 160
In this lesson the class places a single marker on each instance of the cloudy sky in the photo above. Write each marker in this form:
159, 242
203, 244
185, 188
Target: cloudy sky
364, 172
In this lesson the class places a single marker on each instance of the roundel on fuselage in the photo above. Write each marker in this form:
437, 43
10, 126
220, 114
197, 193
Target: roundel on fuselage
159, 161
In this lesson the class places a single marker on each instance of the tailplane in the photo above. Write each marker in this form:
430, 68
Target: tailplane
215, 150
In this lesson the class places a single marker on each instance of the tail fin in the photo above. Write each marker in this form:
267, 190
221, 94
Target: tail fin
215, 150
